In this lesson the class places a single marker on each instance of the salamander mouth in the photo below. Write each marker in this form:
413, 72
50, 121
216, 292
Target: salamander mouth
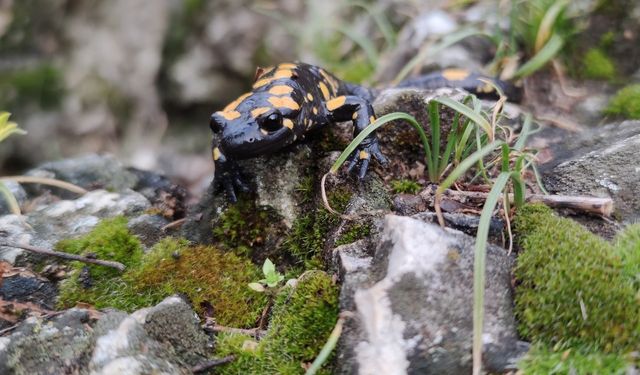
265, 144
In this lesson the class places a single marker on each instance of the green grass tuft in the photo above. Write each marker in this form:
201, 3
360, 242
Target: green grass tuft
572, 290
597, 65
42, 85
354, 233
302, 321
626, 103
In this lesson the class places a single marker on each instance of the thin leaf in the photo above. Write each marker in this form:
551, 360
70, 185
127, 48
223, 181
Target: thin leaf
548, 52
524, 133
362, 41
479, 267
12, 202
505, 157
434, 122
546, 25
467, 112
327, 348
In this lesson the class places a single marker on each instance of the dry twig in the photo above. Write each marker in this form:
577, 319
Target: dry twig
107, 263
204, 366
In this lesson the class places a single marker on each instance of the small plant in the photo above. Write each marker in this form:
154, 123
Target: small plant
597, 65
8, 128
405, 187
271, 278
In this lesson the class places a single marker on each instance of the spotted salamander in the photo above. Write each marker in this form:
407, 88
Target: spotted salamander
288, 101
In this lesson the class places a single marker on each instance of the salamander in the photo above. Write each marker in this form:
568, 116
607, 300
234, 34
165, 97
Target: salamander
287, 102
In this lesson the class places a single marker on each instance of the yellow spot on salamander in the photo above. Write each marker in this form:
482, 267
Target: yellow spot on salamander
283, 73
234, 104
372, 119
486, 88
315, 110
216, 153
230, 115
331, 80
363, 155
355, 115
284, 102
287, 66
287, 123
258, 111
336, 103
325, 91
455, 74
280, 90
309, 96
264, 132
261, 82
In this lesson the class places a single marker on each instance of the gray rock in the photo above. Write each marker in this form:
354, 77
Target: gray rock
605, 165
148, 228
18, 193
27, 287
164, 339
414, 310
90, 172
48, 224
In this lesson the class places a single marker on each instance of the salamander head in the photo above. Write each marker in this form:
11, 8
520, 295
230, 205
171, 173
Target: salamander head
245, 135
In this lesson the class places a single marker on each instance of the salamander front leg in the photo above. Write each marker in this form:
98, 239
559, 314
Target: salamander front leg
227, 175
360, 111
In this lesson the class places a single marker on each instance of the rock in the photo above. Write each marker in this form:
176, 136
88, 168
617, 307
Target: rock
90, 172
17, 191
148, 228
47, 224
27, 287
414, 309
605, 165
164, 339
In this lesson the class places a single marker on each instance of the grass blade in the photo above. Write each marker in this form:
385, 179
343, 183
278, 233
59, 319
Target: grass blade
479, 266
467, 112
11, 200
373, 127
548, 52
434, 122
524, 133
327, 348
546, 25
362, 41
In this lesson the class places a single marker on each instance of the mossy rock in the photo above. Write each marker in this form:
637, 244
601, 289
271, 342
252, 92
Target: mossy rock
302, 319
572, 286
626, 103
206, 275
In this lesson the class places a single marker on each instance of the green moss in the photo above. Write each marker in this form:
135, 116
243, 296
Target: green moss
572, 291
308, 234
300, 325
243, 226
204, 274
405, 186
354, 233
597, 65
542, 360
42, 85
626, 103
628, 246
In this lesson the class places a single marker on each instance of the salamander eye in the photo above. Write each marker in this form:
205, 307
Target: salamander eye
272, 122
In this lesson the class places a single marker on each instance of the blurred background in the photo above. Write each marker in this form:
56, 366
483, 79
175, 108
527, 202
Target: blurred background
139, 78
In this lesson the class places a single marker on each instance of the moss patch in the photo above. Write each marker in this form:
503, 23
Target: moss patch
572, 289
354, 233
308, 235
405, 187
204, 274
626, 103
597, 65
300, 325
542, 360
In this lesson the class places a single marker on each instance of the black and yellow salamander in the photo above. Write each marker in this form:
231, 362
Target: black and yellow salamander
287, 102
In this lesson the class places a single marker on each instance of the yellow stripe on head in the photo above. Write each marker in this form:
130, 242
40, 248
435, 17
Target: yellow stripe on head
309, 96
287, 66
262, 82
283, 73
455, 74
336, 103
325, 90
280, 90
230, 115
234, 104
258, 111
287, 123
283, 102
